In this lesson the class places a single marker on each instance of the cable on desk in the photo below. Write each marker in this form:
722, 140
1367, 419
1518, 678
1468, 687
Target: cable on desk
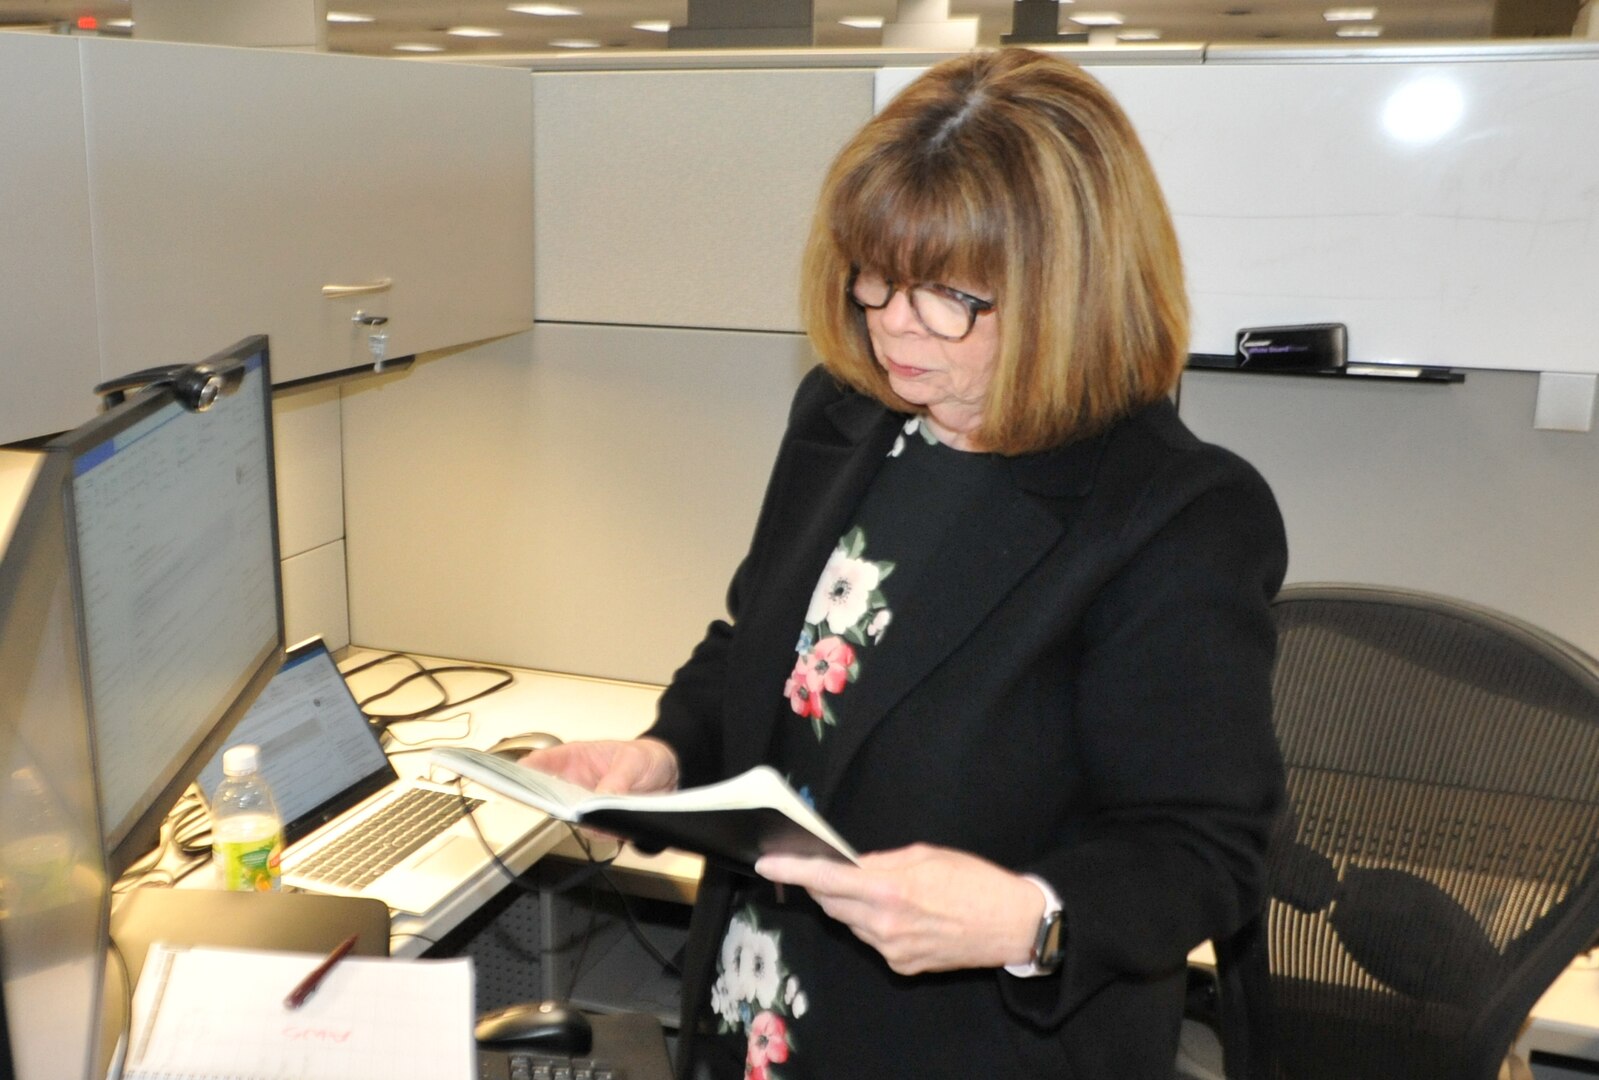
410, 934
437, 738
595, 867
186, 831
504, 678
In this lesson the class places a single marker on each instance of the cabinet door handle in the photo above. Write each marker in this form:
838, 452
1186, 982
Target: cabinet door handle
357, 290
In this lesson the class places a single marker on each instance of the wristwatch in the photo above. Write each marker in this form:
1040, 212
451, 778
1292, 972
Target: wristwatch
1049, 943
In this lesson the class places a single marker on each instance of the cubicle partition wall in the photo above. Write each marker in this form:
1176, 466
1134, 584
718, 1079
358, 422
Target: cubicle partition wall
577, 497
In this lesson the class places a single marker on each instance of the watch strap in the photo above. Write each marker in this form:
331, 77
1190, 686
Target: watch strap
1051, 928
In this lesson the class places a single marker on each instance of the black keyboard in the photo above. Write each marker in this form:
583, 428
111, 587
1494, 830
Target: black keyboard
534, 1065
384, 840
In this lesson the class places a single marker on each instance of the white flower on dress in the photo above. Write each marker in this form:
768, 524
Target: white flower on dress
723, 1003
736, 947
764, 972
844, 591
800, 1003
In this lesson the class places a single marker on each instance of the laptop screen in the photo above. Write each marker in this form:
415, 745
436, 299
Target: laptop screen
318, 752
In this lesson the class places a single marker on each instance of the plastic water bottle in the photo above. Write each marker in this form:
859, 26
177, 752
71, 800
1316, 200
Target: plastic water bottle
246, 829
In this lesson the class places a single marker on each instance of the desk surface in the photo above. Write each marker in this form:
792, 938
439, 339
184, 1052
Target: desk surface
570, 707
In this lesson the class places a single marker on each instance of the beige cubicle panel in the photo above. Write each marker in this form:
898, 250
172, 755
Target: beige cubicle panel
682, 198
49, 346
574, 499
1445, 488
310, 489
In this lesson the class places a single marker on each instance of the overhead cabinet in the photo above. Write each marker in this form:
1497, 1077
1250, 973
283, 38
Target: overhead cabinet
232, 189
342, 205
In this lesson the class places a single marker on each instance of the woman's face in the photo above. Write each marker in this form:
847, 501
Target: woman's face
949, 378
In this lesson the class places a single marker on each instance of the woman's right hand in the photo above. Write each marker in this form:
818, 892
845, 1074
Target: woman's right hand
610, 766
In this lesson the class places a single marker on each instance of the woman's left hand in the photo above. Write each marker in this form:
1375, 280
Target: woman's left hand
925, 908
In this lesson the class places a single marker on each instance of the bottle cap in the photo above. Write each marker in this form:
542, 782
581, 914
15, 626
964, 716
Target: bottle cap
241, 759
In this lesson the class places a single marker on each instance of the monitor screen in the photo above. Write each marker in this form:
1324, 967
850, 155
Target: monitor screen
173, 533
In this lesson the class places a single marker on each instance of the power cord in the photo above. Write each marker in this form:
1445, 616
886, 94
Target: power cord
503, 678
595, 867
435, 738
187, 832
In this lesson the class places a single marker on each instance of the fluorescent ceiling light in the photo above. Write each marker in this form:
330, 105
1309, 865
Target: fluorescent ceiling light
863, 22
417, 46
1359, 31
543, 9
653, 26
474, 31
1138, 35
1350, 14
574, 43
1097, 18
348, 17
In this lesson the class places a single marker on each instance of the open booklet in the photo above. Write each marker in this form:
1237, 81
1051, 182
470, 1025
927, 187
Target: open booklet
733, 822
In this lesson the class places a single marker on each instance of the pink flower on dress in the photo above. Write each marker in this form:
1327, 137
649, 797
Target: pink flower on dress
831, 659
804, 691
823, 670
768, 1044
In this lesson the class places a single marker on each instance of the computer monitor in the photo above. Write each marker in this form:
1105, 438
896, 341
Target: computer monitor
140, 615
172, 529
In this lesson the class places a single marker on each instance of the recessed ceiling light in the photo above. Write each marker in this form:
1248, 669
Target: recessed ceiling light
1350, 14
1097, 18
653, 26
348, 17
474, 31
543, 9
417, 46
863, 22
574, 43
1138, 35
1359, 31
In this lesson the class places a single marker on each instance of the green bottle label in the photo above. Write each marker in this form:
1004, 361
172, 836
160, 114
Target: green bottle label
250, 865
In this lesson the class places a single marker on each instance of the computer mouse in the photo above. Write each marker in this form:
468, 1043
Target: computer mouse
552, 1026
514, 747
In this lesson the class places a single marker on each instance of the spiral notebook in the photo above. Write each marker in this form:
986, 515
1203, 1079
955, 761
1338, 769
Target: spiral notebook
218, 1014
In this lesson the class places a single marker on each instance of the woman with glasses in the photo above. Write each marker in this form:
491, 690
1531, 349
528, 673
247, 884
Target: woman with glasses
1003, 619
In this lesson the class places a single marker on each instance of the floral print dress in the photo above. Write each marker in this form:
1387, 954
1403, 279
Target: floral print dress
777, 952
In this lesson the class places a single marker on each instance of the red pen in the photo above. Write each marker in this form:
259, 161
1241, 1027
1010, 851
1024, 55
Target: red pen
307, 986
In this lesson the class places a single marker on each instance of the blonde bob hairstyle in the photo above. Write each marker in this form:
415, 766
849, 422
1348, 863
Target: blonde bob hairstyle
1018, 172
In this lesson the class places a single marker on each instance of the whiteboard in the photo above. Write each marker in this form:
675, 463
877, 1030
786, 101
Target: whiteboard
1446, 211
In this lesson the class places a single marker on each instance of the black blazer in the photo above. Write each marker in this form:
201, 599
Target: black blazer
1089, 700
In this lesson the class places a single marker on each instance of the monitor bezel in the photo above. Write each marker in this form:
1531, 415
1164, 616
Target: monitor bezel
33, 569
143, 832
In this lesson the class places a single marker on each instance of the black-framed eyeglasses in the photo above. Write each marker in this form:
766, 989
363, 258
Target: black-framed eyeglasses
943, 312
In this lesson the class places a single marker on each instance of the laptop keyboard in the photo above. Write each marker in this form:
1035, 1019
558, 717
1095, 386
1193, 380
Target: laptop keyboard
386, 839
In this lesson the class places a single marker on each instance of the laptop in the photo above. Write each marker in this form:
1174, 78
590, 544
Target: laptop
351, 826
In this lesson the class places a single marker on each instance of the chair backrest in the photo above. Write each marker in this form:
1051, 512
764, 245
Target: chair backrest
1437, 868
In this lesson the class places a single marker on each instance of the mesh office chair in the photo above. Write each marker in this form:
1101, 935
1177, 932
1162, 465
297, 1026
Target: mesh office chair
1439, 866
